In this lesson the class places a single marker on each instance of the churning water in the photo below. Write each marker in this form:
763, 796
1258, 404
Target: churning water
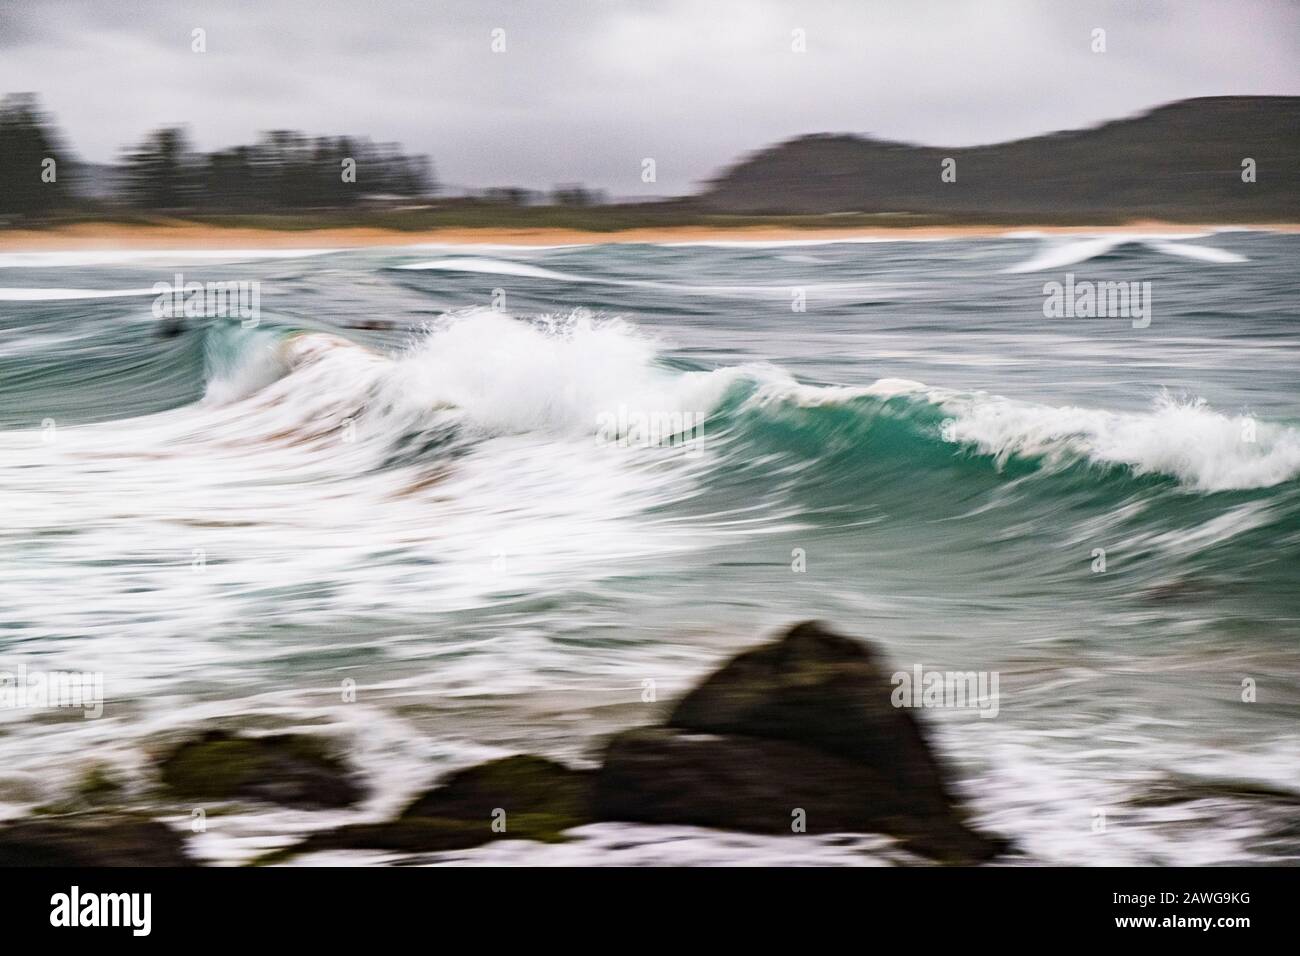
398, 482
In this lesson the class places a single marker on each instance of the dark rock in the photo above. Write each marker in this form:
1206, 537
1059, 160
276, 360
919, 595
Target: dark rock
91, 840
541, 799
826, 691
661, 775
521, 785
804, 722
97, 787
296, 770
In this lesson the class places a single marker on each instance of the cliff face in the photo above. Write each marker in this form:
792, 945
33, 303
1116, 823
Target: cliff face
1182, 161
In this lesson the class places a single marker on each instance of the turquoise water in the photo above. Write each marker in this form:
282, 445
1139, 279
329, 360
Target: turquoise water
398, 479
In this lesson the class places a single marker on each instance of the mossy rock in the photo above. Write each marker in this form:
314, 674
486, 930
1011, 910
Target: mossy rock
296, 770
819, 689
516, 798
96, 790
804, 722
519, 785
96, 839
99, 787
664, 776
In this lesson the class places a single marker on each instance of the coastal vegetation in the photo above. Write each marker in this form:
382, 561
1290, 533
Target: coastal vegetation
1213, 159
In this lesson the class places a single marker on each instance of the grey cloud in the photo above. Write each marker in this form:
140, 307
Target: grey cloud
587, 88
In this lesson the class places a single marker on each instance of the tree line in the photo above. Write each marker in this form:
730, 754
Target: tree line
283, 170
30, 156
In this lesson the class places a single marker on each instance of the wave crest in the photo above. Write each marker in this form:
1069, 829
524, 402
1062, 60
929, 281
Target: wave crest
557, 376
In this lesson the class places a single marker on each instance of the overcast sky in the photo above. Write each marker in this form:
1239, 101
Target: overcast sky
588, 88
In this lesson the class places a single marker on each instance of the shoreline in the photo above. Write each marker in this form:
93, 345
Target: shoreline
98, 236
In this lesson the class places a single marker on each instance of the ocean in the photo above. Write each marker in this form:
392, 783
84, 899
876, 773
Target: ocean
444, 503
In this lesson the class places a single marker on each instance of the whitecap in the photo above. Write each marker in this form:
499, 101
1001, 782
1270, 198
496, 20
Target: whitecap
1056, 254
1205, 450
495, 267
60, 295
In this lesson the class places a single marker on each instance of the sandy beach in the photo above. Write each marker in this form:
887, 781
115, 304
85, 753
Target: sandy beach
187, 235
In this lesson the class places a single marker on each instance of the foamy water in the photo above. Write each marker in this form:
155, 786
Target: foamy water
400, 480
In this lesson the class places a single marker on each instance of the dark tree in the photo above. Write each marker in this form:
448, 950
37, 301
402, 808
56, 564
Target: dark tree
35, 170
284, 170
162, 172
575, 194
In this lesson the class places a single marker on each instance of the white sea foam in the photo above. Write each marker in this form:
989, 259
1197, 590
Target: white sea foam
1204, 449
1202, 253
135, 257
514, 376
67, 295
502, 267
1057, 254
505, 267
306, 460
796, 243
493, 246
502, 375
1040, 234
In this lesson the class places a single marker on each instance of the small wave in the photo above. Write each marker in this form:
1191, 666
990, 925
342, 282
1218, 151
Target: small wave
797, 243
62, 295
1040, 234
556, 376
552, 376
1057, 255
495, 267
524, 270
494, 246
1202, 253
240, 362
1205, 450
127, 257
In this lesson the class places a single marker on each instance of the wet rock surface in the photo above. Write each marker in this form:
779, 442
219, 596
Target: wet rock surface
295, 770
520, 797
797, 735
822, 690
798, 729
91, 840
661, 775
